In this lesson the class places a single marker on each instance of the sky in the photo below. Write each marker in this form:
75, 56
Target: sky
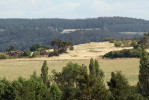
74, 8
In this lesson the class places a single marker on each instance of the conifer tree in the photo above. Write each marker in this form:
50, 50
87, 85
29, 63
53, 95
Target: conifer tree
44, 72
143, 84
92, 67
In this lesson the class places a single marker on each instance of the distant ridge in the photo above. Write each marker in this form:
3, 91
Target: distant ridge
115, 24
22, 33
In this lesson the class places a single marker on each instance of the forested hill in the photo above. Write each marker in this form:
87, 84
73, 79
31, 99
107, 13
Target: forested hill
22, 33
114, 24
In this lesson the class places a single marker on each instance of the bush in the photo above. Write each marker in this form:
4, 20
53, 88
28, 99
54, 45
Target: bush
126, 43
130, 53
35, 47
88, 42
71, 48
54, 53
117, 44
36, 53
43, 52
111, 40
3, 56
27, 53
133, 43
62, 51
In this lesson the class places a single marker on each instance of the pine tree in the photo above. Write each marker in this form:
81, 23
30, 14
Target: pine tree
92, 67
44, 72
143, 84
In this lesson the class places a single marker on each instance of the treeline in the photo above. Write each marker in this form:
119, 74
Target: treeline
38, 50
114, 24
125, 53
74, 82
24, 38
128, 53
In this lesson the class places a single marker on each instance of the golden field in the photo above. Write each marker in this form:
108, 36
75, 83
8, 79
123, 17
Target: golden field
13, 68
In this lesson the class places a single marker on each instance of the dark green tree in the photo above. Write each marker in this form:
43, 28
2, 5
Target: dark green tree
92, 67
35, 47
44, 73
55, 92
27, 53
61, 46
11, 48
143, 84
5, 89
67, 80
98, 72
118, 85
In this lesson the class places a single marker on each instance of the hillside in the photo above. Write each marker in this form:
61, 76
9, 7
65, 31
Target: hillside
13, 68
115, 24
88, 50
22, 33
83, 51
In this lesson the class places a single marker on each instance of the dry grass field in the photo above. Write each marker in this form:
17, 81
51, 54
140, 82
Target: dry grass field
13, 68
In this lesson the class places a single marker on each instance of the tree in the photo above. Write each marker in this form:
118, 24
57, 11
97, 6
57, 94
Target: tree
11, 48
92, 86
35, 47
61, 46
143, 84
118, 85
99, 73
27, 53
55, 92
85, 84
44, 73
92, 67
67, 80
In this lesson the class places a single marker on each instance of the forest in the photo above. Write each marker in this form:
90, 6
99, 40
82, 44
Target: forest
22, 33
114, 24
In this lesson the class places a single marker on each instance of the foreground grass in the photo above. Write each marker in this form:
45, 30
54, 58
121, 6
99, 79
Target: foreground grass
12, 69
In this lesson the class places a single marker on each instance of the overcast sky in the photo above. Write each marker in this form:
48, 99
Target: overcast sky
73, 8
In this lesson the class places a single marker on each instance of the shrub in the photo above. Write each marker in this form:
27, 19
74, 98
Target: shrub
126, 43
54, 53
62, 51
71, 48
11, 48
117, 44
133, 43
88, 42
3, 56
35, 47
27, 53
43, 52
36, 53
111, 40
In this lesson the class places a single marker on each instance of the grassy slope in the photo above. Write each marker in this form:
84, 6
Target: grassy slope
13, 68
